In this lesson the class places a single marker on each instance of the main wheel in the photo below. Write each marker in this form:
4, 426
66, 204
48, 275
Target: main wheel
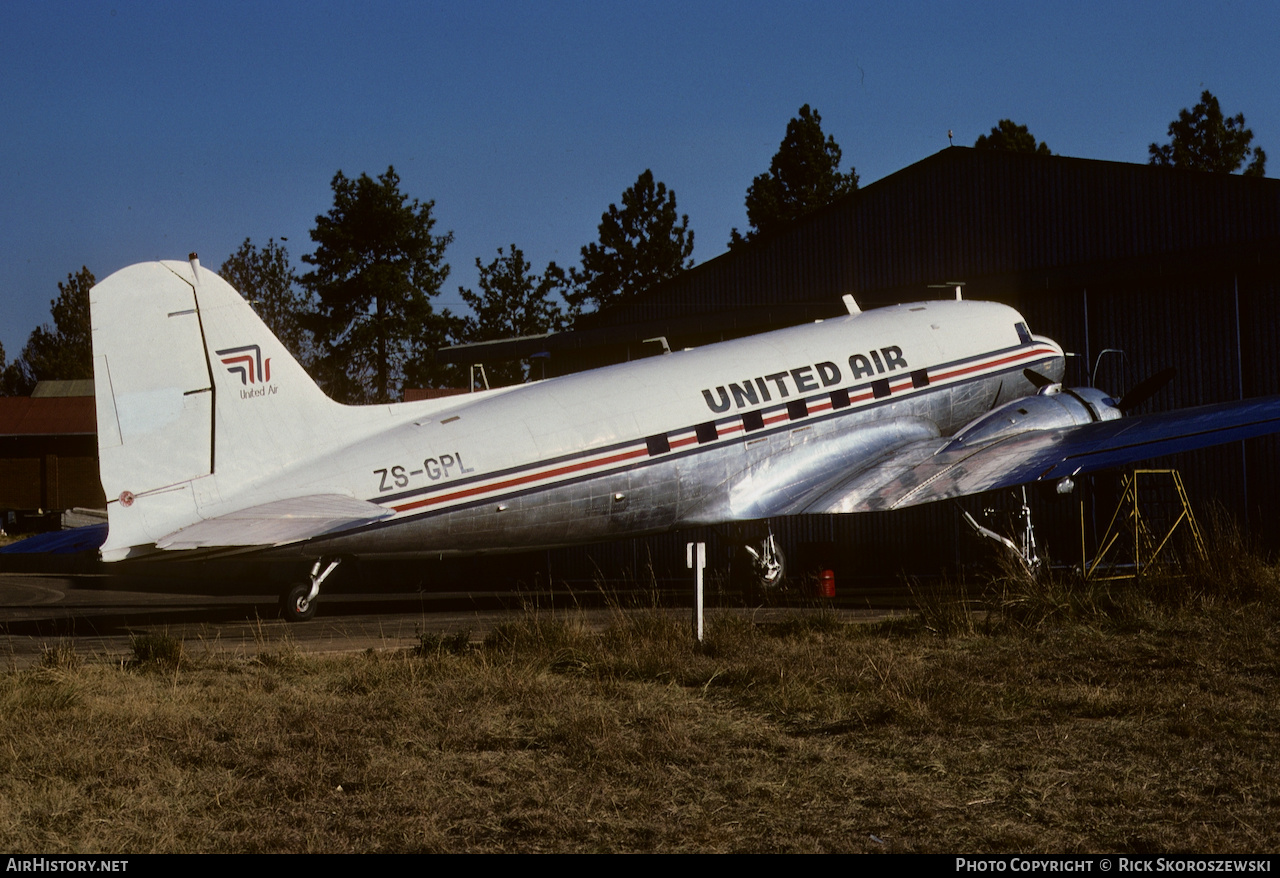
764, 577
294, 606
772, 572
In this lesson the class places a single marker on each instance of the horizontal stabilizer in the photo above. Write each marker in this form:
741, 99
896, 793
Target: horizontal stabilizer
277, 523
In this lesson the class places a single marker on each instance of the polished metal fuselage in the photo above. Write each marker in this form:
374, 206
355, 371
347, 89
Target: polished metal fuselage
728, 432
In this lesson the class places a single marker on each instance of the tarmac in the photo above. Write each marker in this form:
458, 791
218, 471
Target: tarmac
98, 615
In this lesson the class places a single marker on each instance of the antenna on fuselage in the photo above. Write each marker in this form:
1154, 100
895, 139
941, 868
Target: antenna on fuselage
850, 305
957, 285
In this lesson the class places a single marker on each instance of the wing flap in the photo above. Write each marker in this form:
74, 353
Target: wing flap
277, 523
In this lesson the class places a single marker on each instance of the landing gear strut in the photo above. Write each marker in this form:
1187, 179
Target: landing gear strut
768, 563
1025, 548
298, 604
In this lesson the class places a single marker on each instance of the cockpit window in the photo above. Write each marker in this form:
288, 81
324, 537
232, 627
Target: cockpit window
1024, 334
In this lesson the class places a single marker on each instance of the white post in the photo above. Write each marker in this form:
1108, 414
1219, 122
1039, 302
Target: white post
697, 561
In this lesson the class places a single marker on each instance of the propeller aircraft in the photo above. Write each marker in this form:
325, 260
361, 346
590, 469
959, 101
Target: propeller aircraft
214, 440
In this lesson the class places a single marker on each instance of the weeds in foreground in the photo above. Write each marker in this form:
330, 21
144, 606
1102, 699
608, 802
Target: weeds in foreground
948, 610
1233, 571
60, 657
158, 652
1018, 599
431, 644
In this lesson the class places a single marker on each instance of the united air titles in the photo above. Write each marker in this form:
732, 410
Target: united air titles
802, 379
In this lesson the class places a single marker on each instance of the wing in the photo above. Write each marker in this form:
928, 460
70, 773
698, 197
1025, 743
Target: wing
904, 462
937, 469
277, 523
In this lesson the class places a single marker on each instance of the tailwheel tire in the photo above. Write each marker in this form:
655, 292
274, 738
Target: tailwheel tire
294, 606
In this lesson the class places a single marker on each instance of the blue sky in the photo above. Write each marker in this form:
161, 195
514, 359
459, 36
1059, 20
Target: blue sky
136, 131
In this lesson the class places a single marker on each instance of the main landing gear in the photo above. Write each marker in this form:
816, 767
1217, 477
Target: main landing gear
298, 604
767, 562
1025, 547
762, 573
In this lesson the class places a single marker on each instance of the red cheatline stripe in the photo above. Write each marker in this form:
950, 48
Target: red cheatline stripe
523, 480
1029, 355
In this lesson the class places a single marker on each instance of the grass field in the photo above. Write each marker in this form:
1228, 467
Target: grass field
1056, 718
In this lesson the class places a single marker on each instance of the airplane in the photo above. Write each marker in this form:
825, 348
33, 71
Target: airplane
214, 440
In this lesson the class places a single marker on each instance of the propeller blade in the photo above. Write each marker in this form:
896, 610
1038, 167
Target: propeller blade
1037, 379
1145, 389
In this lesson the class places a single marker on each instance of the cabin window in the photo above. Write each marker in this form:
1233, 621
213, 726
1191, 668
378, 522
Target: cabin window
658, 444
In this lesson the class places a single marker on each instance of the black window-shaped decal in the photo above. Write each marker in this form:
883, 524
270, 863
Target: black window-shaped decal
1024, 334
880, 389
920, 378
840, 399
753, 421
707, 432
658, 444
797, 409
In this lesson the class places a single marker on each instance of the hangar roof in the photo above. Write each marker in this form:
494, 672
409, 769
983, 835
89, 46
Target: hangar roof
999, 221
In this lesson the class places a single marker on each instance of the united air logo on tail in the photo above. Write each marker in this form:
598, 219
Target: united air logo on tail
254, 372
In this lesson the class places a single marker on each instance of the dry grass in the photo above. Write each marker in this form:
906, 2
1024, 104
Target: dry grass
1059, 721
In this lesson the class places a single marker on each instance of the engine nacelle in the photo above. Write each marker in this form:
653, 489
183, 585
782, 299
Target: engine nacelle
1053, 407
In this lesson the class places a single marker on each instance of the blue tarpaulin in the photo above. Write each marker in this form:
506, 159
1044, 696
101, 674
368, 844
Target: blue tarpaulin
62, 542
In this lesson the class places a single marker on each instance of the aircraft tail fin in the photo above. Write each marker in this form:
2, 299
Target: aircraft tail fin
194, 394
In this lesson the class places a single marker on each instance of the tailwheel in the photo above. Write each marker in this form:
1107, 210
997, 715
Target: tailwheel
299, 603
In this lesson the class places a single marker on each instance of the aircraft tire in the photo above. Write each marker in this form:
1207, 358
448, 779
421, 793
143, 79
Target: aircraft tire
758, 590
289, 604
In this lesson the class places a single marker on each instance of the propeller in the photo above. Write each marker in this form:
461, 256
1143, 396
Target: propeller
1145, 389
1037, 380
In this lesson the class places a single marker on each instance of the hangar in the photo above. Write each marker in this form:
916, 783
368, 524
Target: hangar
1132, 268
48, 455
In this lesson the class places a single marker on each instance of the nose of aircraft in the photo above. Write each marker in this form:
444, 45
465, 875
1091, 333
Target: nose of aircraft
1058, 367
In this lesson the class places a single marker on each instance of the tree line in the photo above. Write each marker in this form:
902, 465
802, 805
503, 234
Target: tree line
363, 321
